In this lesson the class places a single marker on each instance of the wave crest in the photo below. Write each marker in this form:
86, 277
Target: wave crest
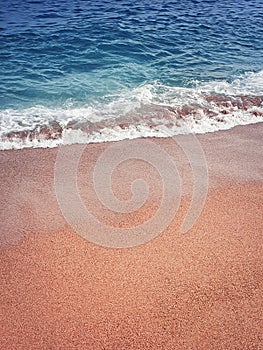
149, 110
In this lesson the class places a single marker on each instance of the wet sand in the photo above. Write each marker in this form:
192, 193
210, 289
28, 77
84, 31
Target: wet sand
200, 290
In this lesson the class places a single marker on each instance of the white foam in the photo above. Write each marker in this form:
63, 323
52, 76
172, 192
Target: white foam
152, 104
248, 84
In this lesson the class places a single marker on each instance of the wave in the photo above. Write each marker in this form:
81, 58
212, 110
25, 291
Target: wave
152, 110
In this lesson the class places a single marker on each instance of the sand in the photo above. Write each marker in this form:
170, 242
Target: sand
199, 290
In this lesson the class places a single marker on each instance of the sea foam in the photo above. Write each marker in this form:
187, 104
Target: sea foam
149, 110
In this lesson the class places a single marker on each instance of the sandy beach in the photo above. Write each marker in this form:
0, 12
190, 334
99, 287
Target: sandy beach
199, 290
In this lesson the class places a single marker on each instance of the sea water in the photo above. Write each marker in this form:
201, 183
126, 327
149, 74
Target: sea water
75, 71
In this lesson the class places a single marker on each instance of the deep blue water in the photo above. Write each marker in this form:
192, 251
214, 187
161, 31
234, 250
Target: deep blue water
60, 53
52, 51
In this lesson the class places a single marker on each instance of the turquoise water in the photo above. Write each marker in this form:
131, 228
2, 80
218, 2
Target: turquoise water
84, 62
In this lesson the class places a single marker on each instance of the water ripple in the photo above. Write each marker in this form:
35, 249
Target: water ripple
125, 43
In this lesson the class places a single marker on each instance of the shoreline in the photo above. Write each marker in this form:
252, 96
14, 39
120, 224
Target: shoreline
198, 290
48, 136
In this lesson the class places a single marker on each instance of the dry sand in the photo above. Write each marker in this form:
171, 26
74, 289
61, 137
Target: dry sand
201, 290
